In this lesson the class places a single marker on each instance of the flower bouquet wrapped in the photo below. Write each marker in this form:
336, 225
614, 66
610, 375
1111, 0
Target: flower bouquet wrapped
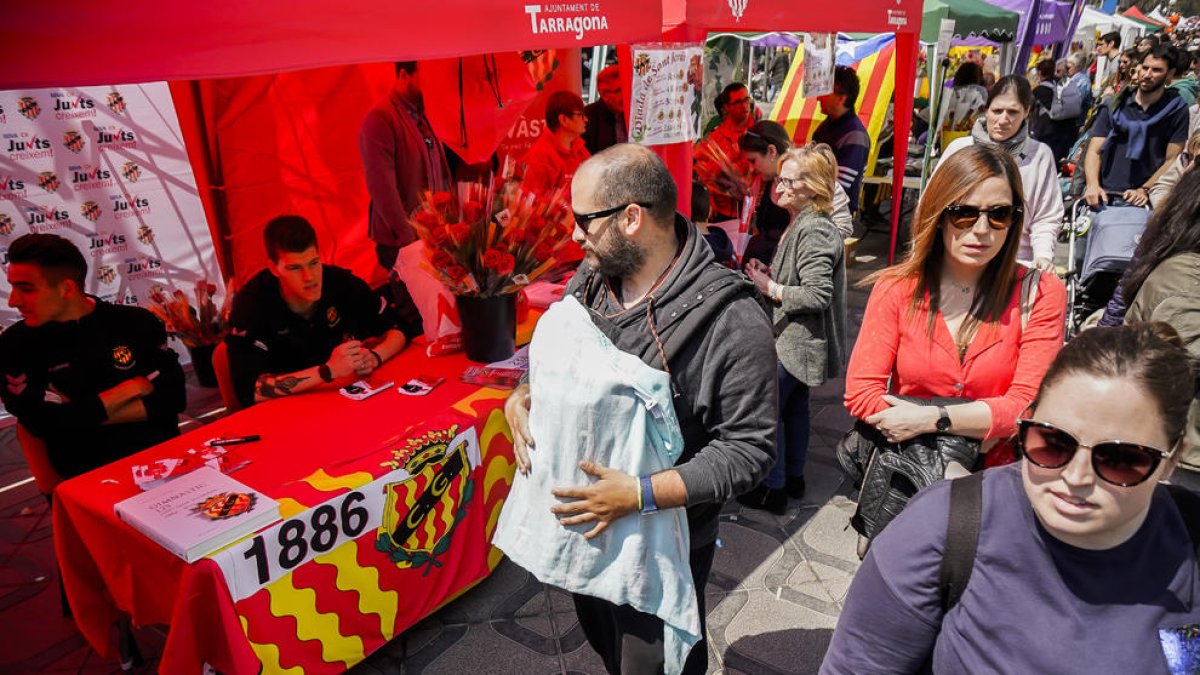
202, 325
719, 171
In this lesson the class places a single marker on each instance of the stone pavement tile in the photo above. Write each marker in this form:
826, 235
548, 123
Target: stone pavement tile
494, 645
836, 581
582, 658
770, 635
748, 548
20, 655
828, 539
415, 660
508, 592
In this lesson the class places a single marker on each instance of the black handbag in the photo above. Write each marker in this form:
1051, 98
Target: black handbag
889, 474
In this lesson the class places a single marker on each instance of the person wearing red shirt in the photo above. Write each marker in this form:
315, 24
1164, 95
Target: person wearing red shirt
553, 158
736, 109
947, 322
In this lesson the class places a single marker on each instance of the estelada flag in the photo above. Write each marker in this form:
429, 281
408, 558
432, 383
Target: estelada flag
875, 61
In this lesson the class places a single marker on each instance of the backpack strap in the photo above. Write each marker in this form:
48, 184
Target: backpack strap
1029, 289
1188, 503
962, 538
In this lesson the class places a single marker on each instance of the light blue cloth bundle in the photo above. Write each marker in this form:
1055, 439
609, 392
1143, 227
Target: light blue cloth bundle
591, 401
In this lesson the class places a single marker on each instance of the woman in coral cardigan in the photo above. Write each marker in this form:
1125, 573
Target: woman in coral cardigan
946, 322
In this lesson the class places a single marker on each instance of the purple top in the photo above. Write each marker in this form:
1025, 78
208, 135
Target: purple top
1034, 604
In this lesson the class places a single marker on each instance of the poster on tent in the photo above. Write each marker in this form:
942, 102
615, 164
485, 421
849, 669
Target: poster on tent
818, 64
665, 102
105, 167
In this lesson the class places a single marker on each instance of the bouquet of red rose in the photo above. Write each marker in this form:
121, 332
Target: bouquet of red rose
204, 324
719, 171
488, 240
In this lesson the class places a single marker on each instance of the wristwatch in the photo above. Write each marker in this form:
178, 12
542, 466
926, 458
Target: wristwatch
943, 423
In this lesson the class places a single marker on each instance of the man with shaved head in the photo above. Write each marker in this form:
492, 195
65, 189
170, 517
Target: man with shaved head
652, 287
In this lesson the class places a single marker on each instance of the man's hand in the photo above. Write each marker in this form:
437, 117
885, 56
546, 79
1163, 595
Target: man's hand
1136, 196
1044, 264
611, 497
903, 420
346, 359
118, 397
1094, 196
516, 413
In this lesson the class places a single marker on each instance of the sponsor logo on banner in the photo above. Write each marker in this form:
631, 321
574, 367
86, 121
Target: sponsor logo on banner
88, 177
67, 107
131, 172
90, 210
129, 299
123, 357
106, 274
74, 141
25, 146
11, 187
112, 137
7, 224
575, 18
48, 181
145, 234
141, 267
423, 510
42, 219
130, 207
116, 102
28, 107
3, 256
106, 242
737, 8
897, 17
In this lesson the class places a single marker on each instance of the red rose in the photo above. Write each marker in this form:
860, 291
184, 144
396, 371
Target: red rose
441, 259
427, 219
459, 232
472, 211
498, 261
438, 236
515, 234
544, 251
456, 272
507, 263
442, 199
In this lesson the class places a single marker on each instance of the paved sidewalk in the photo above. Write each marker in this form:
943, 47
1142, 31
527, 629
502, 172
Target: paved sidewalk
773, 598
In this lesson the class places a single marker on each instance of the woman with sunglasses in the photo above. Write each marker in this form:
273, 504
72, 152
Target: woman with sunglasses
1005, 125
946, 322
806, 284
1083, 561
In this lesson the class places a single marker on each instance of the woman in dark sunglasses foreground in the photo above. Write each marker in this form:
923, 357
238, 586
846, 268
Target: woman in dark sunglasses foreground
1084, 563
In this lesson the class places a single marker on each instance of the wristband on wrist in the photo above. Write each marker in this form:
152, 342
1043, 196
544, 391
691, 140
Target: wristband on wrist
646, 488
640, 505
378, 358
325, 373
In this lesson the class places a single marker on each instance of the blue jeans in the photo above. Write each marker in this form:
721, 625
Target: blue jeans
792, 432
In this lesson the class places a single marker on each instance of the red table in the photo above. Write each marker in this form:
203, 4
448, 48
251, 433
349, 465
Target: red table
329, 612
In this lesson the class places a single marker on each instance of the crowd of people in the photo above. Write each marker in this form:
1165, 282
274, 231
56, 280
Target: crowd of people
964, 337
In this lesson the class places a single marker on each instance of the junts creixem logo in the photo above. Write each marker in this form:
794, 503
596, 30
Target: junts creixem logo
28, 107
569, 17
74, 141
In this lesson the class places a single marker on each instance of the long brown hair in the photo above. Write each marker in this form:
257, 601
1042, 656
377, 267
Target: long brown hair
956, 177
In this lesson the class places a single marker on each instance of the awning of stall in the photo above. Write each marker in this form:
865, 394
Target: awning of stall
150, 40
1137, 15
972, 18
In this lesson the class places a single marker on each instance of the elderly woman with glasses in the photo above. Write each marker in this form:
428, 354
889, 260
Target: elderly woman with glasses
946, 322
1075, 560
806, 284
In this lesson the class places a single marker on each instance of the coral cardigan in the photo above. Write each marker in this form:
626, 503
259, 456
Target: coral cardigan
1003, 366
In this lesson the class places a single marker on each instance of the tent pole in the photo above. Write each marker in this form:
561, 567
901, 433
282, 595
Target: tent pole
907, 47
597, 66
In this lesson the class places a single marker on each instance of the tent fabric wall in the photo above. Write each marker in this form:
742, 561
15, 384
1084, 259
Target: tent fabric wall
150, 40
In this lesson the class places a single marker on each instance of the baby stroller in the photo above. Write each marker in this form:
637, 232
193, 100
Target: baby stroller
1110, 234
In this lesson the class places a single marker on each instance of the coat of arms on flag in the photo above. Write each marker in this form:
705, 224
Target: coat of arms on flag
422, 510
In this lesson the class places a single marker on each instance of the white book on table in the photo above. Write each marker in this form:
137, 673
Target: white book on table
199, 512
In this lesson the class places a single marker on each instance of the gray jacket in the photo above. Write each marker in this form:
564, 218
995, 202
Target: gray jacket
810, 323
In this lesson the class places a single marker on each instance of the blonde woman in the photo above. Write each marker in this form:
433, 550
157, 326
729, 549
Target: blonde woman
806, 283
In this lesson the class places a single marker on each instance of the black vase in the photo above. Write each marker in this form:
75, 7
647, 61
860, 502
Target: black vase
202, 364
489, 326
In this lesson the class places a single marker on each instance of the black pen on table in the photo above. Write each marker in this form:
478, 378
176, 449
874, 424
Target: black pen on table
235, 440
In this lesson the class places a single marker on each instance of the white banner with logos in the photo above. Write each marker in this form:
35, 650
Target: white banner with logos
818, 64
665, 102
105, 167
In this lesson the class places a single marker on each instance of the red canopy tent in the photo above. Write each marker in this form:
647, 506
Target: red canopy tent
265, 135
1137, 15
690, 20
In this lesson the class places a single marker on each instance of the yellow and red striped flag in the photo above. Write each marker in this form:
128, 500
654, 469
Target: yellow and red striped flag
874, 60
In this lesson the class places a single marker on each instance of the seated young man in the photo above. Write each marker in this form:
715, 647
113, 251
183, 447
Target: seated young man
95, 381
299, 323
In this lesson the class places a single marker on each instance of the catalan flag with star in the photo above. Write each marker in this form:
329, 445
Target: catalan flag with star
875, 61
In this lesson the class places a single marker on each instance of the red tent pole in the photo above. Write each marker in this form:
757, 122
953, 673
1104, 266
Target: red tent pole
907, 46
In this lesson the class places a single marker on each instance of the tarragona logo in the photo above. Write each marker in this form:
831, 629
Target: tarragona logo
566, 17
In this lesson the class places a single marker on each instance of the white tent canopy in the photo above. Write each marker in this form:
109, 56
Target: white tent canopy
1094, 21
